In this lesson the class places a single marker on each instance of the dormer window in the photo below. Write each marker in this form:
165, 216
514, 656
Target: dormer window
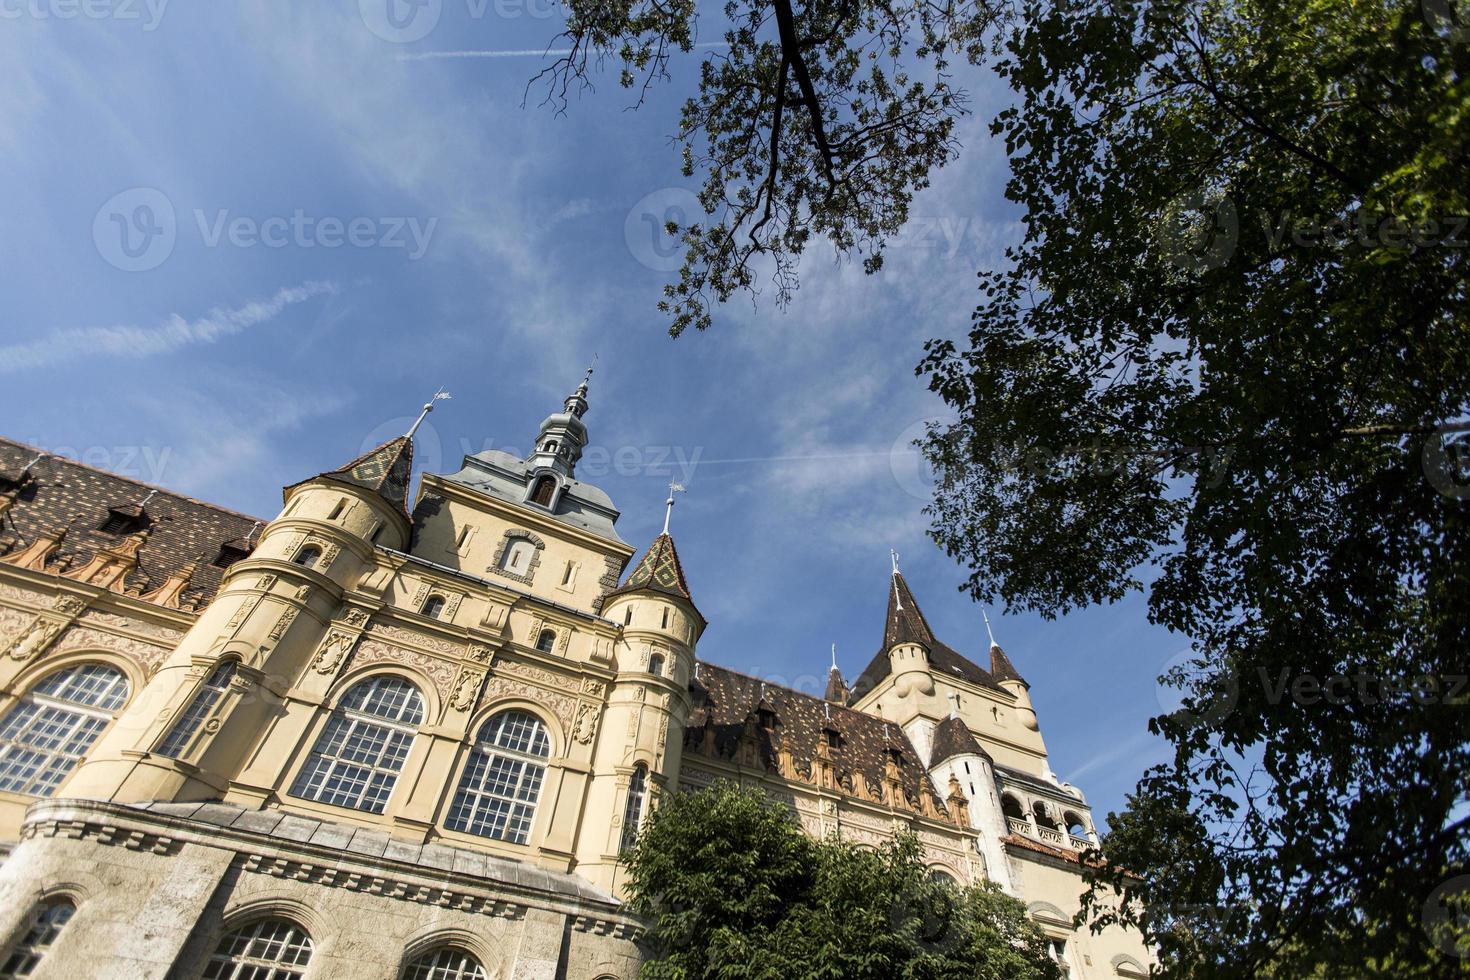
124, 520
765, 717
228, 555
545, 489
833, 737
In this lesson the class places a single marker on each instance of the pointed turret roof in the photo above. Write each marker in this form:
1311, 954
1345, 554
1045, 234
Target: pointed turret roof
384, 470
837, 691
953, 737
1001, 667
905, 623
659, 571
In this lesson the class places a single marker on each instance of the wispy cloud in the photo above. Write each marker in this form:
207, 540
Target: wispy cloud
175, 332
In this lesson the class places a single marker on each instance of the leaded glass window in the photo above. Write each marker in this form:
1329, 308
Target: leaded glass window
271, 949
358, 757
44, 736
498, 792
208, 695
633, 810
445, 963
38, 938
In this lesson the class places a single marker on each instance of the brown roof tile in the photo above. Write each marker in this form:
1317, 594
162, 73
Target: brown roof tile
60, 493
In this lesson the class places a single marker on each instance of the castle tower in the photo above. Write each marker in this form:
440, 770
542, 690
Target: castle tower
229, 685
648, 706
1011, 680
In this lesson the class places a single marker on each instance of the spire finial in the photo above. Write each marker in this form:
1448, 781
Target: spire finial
834, 656
894, 555
438, 396
987, 626
669, 504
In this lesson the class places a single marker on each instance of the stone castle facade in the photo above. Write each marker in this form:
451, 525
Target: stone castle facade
382, 738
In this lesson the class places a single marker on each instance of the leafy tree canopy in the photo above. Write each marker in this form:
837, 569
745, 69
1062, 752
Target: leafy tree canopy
733, 888
1228, 365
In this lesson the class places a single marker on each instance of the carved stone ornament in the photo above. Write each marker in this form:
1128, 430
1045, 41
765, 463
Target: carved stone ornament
593, 687
356, 618
284, 623
480, 653
36, 639
466, 688
266, 581
586, 726
334, 650
69, 605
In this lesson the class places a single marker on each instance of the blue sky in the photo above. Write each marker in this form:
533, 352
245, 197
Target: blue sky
324, 225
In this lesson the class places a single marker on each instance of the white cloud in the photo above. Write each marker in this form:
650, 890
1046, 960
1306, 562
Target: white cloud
175, 332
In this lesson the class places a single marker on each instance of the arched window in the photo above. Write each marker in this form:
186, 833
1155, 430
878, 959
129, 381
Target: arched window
271, 949
178, 738
49, 918
1043, 818
1075, 825
545, 488
546, 641
359, 754
433, 606
656, 664
445, 963
502, 780
633, 810
44, 736
517, 557
1011, 807
941, 877
308, 557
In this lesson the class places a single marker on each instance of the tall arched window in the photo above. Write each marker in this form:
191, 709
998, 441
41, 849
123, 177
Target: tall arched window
178, 738
633, 809
49, 919
517, 557
445, 963
359, 754
546, 641
271, 949
502, 780
308, 557
1011, 807
47, 733
433, 606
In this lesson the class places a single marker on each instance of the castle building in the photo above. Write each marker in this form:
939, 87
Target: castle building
381, 738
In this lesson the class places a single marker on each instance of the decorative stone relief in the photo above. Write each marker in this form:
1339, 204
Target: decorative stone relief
586, 726
538, 675
419, 595
561, 645
267, 581
302, 593
465, 688
593, 687
246, 608
12, 623
329, 554
356, 618
452, 602
400, 635
69, 605
22, 595
560, 705
284, 623
371, 651
333, 651
37, 637
480, 653
84, 637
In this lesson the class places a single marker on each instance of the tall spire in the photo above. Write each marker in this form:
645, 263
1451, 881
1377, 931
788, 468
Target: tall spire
906, 622
1001, 667
837, 690
669, 504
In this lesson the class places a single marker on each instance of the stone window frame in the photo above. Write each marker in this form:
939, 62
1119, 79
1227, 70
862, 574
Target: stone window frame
375, 715
273, 941
509, 538
46, 920
49, 703
207, 694
439, 961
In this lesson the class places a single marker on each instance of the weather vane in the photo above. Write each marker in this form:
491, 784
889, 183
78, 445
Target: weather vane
439, 395
669, 504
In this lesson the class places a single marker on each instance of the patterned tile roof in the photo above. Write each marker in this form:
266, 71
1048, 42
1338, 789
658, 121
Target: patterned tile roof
385, 469
905, 623
659, 571
953, 737
58, 494
1001, 667
726, 711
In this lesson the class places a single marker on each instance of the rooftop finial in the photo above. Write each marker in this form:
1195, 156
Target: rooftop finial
894, 555
987, 626
144, 501
438, 396
834, 656
669, 504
